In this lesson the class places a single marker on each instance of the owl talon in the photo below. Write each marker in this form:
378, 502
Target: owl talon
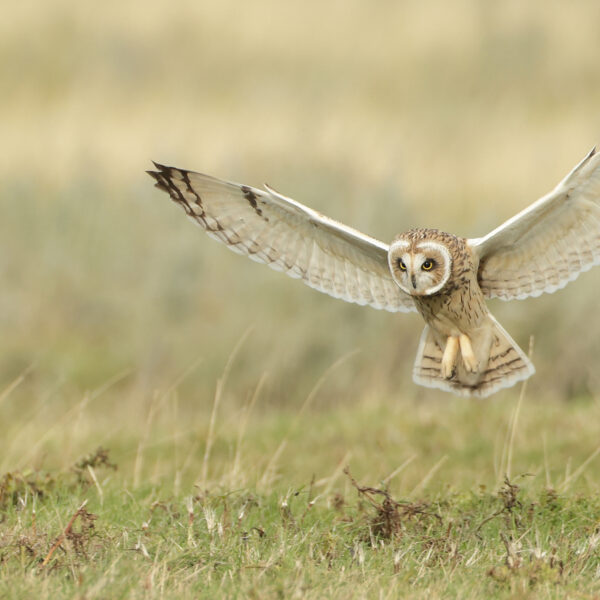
448, 373
469, 359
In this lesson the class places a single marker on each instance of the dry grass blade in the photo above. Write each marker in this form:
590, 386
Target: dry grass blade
330, 481
14, 384
399, 469
573, 476
217, 401
506, 471
157, 403
268, 472
423, 483
242, 430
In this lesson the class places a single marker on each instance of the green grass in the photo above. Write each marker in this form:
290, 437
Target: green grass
519, 541
255, 502
219, 387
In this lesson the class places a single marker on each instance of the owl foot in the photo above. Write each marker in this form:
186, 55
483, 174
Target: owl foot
469, 359
449, 357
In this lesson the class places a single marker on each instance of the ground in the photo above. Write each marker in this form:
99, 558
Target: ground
353, 500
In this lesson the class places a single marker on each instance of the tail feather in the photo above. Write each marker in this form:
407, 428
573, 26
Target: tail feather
502, 363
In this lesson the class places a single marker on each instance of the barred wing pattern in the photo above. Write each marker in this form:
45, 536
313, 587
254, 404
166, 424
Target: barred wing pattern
288, 236
549, 243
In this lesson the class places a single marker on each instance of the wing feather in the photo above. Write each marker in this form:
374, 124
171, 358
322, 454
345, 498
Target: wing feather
287, 236
549, 243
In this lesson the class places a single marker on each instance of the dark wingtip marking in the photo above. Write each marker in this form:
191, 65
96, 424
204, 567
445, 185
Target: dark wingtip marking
160, 177
160, 181
161, 168
164, 182
251, 197
186, 178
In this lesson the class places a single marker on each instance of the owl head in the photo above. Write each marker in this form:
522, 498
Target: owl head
420, 261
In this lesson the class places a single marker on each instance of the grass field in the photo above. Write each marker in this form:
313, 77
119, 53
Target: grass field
177, 421
495, 499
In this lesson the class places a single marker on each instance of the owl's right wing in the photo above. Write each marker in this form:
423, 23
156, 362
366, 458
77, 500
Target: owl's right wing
549, 243
288, 236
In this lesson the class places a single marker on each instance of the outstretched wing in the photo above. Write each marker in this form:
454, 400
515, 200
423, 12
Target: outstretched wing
287, 236
549, 243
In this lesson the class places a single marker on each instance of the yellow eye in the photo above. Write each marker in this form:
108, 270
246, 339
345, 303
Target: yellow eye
401, 265
427, 265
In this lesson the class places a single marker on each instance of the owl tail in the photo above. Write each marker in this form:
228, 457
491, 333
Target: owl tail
501, 362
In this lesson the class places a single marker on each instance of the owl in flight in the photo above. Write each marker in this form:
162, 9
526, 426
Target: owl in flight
447, 279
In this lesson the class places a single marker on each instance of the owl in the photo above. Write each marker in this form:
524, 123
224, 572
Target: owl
447, 279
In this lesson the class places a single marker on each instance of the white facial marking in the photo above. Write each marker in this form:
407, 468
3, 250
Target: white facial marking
413, 279
400, 245
398, 250
429, 246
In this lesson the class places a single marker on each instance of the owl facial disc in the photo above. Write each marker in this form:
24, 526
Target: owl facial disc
420, 268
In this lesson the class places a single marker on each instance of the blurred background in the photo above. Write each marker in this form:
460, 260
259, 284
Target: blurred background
383, 115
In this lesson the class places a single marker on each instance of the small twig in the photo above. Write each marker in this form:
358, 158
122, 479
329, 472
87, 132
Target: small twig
368, 492
487, 520
63, 535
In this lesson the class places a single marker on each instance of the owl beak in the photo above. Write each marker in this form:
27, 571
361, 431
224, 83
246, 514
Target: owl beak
413, 280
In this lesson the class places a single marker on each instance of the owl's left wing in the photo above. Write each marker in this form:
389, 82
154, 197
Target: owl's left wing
288, 236
549, 243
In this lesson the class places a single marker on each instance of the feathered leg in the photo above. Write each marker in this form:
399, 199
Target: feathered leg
468, 356
449, 357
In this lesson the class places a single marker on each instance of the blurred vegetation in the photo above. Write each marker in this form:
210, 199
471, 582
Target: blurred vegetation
454, 115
